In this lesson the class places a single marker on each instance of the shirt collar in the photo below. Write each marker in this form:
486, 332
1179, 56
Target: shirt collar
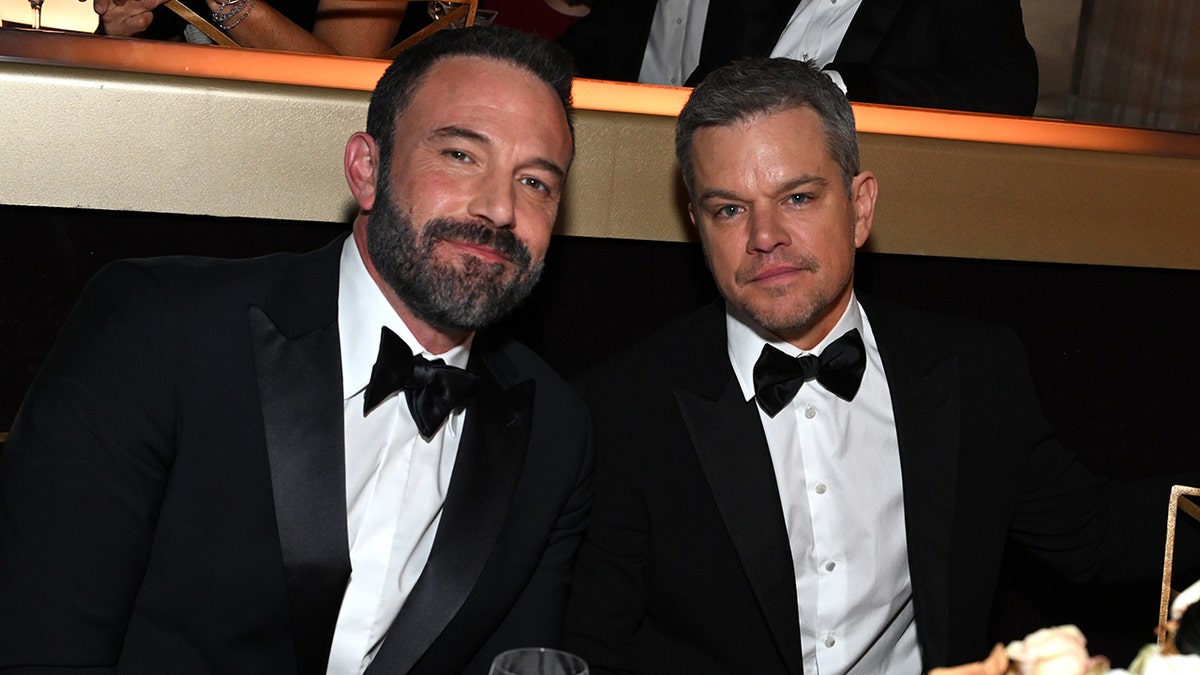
362, 310
745, 341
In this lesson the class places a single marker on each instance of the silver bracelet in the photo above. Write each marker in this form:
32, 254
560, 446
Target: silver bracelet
241, 11
226, 10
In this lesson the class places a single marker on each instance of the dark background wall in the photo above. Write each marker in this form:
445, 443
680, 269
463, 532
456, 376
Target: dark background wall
1112, 349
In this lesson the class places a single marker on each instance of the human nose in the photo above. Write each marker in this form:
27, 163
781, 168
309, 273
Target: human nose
766, 233
494, 201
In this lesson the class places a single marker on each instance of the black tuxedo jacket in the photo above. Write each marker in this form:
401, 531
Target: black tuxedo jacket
174, 492
687, 566
953, 54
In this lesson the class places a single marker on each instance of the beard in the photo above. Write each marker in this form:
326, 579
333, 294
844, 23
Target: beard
786, 311
464, 295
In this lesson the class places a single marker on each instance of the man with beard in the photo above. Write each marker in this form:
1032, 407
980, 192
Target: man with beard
326, 462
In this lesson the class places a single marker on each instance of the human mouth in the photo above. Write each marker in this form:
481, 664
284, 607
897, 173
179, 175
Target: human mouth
481, 251
774, 273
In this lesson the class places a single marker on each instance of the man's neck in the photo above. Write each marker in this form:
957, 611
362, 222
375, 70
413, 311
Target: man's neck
432, 339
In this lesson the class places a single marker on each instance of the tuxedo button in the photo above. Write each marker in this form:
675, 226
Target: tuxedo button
829, 641
829, 566
810, 412
820, 488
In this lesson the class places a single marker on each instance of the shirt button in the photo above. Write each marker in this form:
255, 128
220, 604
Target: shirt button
810, 412
829, 641
678, 21
820, 488
830, 565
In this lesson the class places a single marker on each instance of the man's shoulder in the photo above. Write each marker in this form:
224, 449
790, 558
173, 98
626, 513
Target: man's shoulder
511, 362
667, 356
198, 273
195, 286
911, 330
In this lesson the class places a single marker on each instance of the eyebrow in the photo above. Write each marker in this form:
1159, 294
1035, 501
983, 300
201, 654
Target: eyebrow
460, 132
801, 181
452, 131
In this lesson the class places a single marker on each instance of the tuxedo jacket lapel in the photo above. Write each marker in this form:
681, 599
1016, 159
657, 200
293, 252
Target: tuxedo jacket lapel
729, 441
925, 400
486, 472
867, 29
298, 366
738, 28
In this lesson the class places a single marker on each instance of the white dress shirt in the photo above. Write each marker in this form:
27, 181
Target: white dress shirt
673, 49
837, 468
396, 480
814, 33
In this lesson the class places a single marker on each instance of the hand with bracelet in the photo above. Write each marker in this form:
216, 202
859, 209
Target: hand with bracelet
364, 28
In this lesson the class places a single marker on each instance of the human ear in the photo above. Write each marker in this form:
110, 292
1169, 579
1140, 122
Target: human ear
362, 170
863, 191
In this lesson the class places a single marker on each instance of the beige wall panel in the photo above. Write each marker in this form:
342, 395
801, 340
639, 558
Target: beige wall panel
131, 142
951, 184
624, 180
989, 200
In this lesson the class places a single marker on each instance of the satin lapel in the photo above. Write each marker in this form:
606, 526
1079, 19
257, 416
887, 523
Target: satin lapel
765, 22
486, 473
867, 29
299, 381
729, 441
925, 401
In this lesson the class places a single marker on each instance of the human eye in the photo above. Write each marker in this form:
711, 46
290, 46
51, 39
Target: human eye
799, 199
726, 211
536, 184
457, 155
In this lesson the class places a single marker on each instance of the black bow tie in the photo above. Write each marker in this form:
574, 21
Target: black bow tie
432, 388
839, 368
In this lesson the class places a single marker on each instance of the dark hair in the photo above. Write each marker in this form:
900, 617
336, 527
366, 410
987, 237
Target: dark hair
394, 92
754, 87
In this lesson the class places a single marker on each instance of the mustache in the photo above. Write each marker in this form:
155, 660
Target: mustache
749, 272
501, 240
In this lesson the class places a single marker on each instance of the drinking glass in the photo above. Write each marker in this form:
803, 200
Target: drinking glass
37, 13
538, 661
483, 17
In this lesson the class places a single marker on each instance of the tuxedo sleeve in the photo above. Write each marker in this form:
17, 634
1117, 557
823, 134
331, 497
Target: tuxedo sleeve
1088, 527
608, 588
536, 618
964, 55
81, 479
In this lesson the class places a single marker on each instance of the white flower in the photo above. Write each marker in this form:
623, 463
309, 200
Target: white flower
1151, 661
1051, 651
1184, 600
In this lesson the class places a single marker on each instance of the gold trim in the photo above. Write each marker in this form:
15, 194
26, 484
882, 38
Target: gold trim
1179, 502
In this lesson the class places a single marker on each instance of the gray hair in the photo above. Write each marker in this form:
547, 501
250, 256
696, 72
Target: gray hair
754, 87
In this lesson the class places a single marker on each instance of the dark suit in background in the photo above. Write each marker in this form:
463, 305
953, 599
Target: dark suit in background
174, 486
686, 567
953, 54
